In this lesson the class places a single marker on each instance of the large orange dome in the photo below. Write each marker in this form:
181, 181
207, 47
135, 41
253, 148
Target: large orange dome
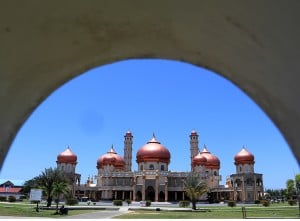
153, 151
111, 158
244, 157
199, 160
212, 161
67, 156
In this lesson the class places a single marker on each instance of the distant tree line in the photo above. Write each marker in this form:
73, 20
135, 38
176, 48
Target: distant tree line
291, 192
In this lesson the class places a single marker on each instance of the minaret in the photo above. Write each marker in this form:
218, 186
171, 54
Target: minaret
66, 161
244, 161
128, 150
194, 149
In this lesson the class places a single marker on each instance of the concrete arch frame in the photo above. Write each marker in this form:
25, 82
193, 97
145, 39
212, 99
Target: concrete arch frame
255, 44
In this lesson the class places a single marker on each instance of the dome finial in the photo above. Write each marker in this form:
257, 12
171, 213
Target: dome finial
112, 150
153, 135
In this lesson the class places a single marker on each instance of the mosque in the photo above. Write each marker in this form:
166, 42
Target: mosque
154, 181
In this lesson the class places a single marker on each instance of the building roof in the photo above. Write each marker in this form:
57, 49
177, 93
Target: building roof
10, 182
10, 189
111, 158
67, 156
153, 151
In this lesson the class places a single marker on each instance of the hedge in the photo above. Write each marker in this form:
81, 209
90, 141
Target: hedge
148, 203
12, 199
231, 203
117, 202
71, 201
184, 203
292, 202
265, 203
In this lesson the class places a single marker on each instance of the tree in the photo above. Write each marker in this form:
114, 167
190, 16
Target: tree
48, 179
290, 188
293, 186
28, 185
58, 189
194, 188
297, 182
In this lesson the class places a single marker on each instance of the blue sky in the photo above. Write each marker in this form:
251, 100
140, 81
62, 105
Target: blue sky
93, 111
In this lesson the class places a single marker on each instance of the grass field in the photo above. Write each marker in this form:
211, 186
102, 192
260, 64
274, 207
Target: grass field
218, 212
28, 210
211, 212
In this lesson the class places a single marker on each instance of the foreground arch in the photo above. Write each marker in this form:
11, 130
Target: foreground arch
255, 44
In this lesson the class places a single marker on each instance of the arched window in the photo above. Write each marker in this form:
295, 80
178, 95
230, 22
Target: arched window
151, 167
141, 167
162, 167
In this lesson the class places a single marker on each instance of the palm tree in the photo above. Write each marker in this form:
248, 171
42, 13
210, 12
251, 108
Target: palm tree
194, 188
47, 181
58, 189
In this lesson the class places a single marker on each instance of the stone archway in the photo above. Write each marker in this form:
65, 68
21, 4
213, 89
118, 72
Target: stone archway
161, 196
138, 196
150, 193
252, 43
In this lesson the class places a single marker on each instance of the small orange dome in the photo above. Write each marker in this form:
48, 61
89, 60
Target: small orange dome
111, 158
67, 156
194, 133
212, 162
128, 134
153, 151
244, 157
199, 160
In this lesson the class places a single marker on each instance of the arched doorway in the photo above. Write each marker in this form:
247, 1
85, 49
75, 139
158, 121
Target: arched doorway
234, 46
138, 196
161, 196
150, 193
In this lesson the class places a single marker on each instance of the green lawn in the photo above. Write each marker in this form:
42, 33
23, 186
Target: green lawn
212, 212
28, 210
217, 212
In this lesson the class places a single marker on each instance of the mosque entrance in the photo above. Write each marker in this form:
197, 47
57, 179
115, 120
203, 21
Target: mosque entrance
138, 196
150, 193
161, 197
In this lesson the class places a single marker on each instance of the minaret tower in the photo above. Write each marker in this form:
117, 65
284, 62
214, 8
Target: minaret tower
194, 149
244, 161
128, 150
66, 161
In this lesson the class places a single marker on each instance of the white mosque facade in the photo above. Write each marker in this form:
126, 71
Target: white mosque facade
154, 181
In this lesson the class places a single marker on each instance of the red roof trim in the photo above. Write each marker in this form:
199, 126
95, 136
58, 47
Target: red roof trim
10, 189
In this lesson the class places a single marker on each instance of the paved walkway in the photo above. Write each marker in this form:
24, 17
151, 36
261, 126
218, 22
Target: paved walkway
102, 214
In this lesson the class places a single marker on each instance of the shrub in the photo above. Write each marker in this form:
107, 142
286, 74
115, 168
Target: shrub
231, 203
128, 201
184, 203
265, 203
292, 202
117, 202
12, 199
71, 201
148, 203
23, 198
3, 198
257, 202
